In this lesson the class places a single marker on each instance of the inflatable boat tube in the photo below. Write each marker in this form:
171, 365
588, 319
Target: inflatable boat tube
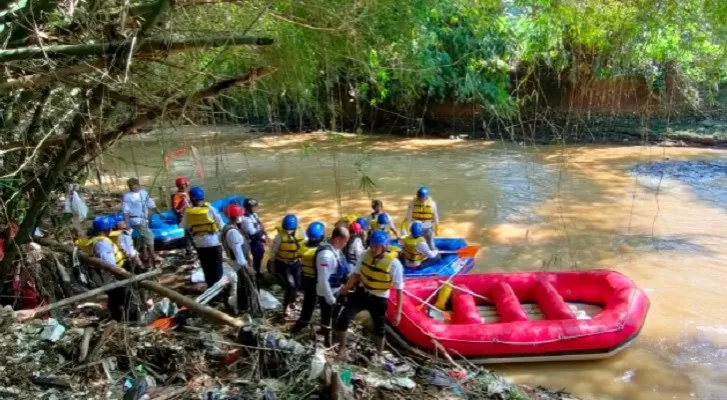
168, 234
446, 264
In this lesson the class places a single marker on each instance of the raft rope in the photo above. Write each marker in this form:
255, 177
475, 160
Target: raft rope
618, 328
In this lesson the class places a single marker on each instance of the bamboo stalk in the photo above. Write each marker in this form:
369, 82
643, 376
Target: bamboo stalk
145, 46
91, 293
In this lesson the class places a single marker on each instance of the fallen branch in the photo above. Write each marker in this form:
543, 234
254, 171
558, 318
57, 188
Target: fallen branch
42, 79
91, 293
145, 46
176, 297
172, 107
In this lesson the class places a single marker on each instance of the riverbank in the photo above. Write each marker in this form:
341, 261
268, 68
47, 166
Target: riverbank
677, 132
80, 354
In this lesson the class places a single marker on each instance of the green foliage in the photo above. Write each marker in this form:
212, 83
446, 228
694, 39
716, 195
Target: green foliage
382, 52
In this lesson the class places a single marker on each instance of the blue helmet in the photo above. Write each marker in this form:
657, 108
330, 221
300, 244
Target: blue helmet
383, 219
379, 238
416, 229
423, 192
196, 193
316, 231
363, 222
103, 224
290, 222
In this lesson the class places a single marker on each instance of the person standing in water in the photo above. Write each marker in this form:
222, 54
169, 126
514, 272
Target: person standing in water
379, 272
424, 209
135, 205
286, 265
203, 223
253, 228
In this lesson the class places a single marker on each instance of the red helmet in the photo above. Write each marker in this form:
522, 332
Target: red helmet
234, 211
355, 228
181, 181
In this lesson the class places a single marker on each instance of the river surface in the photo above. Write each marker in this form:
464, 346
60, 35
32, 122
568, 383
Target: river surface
655, 214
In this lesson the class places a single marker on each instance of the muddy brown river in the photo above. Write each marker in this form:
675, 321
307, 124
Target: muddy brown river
655, 214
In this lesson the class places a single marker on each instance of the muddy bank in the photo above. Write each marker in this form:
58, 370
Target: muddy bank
76, 353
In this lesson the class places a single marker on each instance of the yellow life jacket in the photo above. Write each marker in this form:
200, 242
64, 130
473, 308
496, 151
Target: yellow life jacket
376, 273
347, 220
410, 252
422, 210
114, 236
119, 255
199, 220
289, 250
85, 245
308, 260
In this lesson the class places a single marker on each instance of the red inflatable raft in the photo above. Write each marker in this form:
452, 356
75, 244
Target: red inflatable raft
522, 317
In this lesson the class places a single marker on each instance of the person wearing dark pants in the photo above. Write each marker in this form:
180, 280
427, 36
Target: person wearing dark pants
203, 223
253, 228
315, 232
103, 247
286, 265
379, 272
331, 271
210, 258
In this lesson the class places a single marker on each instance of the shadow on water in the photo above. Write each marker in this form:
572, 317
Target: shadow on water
705, 178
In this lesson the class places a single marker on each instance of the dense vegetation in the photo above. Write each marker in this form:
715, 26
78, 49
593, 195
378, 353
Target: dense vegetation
79, 75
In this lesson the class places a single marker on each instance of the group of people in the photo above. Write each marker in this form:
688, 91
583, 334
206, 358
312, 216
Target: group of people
353, 269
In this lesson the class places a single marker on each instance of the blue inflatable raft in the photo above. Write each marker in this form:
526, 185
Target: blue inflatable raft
168, 234
447, 264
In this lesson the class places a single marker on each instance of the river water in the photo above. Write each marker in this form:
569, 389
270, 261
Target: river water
655, 214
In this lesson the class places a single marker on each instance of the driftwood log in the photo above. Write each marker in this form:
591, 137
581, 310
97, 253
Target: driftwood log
206, 312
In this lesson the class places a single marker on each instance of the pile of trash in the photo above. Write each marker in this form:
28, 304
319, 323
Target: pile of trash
78, 358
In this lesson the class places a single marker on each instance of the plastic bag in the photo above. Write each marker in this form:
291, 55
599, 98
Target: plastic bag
78, 206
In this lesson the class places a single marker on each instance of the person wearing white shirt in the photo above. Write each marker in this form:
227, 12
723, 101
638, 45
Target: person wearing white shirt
416, 252
316, 233
104, 248
135, 205
126, 243
379, 220
203, 222
332, 271
233, 240
355, 249
253, 228
424, 209
379, 272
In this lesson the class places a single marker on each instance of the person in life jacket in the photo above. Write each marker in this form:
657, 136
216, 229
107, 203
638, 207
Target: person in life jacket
286, 263
104, 248
415, 252
316, 233
376, 215
203, 223
121, 236
424, 209
355, 247
379, 272
253, 228
332, 272
180, 198
346, 220
233, 241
